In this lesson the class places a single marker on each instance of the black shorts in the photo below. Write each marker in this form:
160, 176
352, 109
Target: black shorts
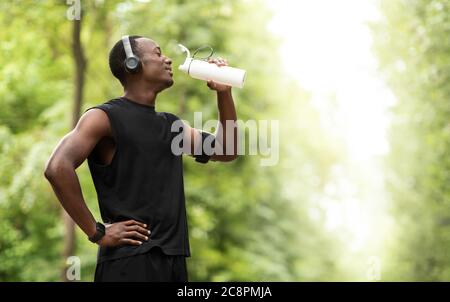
153, 266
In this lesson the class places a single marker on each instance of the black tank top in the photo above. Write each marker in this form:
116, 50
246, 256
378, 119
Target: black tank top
144, 180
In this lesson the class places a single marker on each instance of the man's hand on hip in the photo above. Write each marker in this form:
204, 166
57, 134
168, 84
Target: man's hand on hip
128, 232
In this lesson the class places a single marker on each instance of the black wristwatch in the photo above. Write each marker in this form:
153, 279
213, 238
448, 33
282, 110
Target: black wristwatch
100, 232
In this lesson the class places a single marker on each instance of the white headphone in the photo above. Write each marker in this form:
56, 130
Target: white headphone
132, 62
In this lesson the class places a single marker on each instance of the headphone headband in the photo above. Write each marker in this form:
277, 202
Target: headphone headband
127, 46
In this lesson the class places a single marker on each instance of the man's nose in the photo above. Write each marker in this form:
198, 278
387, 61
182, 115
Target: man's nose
168, 61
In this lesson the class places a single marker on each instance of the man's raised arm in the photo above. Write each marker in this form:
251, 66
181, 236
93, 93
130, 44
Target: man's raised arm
224, 130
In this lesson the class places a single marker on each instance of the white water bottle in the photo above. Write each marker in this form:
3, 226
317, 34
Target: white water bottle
202, 70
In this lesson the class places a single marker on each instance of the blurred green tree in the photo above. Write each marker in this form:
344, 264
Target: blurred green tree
412, 43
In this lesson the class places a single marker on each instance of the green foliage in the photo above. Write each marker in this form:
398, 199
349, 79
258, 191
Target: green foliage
412, 43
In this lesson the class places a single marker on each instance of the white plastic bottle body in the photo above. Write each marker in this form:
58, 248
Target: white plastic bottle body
203, 70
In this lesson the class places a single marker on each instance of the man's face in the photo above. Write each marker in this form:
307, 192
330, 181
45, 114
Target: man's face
156, 68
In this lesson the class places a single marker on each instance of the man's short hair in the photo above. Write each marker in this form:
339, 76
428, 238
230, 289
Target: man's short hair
117, 58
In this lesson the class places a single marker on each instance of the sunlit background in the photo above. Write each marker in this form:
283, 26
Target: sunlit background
327, 47
359, 87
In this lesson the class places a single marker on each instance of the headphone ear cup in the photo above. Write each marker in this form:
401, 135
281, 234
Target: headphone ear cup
132, 64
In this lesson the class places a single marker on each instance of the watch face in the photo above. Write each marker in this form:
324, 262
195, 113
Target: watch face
100, 232
100, 228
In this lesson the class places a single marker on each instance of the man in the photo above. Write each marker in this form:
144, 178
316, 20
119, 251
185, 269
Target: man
137, 176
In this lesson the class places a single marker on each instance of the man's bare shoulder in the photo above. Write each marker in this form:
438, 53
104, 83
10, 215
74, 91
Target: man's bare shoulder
95, 121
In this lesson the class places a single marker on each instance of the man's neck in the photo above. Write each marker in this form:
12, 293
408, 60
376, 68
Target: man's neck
141, 96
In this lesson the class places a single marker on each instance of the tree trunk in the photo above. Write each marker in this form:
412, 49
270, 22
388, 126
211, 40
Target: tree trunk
80, 66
